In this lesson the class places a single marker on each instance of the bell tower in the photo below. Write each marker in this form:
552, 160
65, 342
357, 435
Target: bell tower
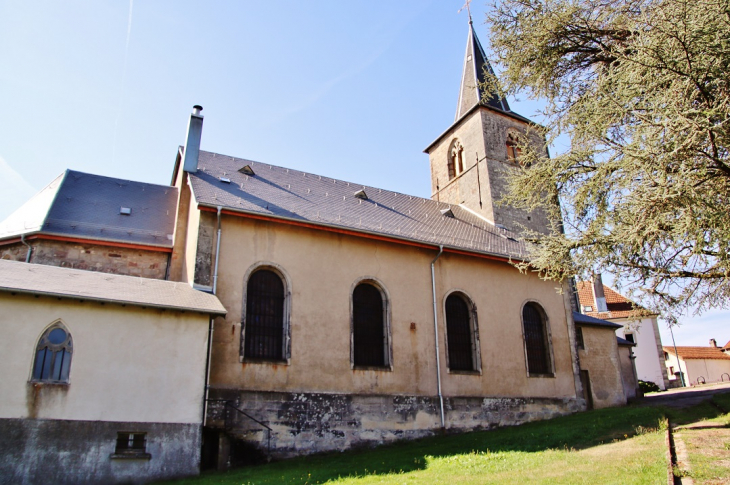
472, 160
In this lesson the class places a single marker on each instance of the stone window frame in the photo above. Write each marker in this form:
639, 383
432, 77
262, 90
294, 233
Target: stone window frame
512, 145
286, 324
455, 165
44, 343
547, 335
388, 340
474, 327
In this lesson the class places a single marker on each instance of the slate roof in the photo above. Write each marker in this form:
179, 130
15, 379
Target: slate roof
701, 353
582, 319
87, 206
59, 282
618, 305
288, 194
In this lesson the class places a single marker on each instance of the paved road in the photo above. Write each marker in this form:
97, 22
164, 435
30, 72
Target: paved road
684, 397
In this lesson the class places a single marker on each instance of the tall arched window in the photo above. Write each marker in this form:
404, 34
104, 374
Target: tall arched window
369, 327
265, 326
53, 355
461, 333
536, 339
456, 159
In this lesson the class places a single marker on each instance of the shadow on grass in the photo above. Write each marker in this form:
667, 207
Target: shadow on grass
578, 431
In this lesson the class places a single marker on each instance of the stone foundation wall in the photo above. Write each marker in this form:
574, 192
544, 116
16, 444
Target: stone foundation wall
36, 451
304, 423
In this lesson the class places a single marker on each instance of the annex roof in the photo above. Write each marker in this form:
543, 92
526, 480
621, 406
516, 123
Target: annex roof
82, 205
287, 194
581, 319
618, 305
38, 279
700, 353
622, 341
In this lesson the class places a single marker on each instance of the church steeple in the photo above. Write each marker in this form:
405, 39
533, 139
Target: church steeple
472, 91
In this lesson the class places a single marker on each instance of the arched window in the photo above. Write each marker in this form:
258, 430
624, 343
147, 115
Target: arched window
53, 355
369, 327
536, 339
461, 333
456, 159
265, 327
513, 147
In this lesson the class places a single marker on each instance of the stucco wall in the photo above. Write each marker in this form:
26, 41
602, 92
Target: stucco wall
92, 257
710, 369
601, 359
129, 364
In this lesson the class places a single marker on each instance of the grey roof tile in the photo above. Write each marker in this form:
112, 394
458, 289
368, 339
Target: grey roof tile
290, 194
89, 285
582, 319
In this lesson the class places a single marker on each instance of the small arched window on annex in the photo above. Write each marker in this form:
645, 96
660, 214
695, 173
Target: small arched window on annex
462, 333
514, 151
265, 325
536, 334
52, 360
456, 159
370, 325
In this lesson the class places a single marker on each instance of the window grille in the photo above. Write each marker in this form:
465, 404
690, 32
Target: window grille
535, 340
131, 442
459, 334
369, 331
264, 332
53, 356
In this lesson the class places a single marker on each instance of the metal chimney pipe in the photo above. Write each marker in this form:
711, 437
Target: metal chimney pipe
192, 141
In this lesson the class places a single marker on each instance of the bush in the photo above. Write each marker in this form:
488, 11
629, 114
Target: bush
648, 386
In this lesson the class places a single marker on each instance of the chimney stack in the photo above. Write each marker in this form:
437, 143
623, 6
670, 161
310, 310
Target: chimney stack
713, 343
192, 142
598, 295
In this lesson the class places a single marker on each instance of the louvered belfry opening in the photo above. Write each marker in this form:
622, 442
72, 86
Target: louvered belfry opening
535, 340
459, 333
368, 327
265, 316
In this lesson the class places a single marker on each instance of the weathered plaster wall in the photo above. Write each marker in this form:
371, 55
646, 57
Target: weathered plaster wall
628, 372
129, 364
711, 370
59, 452
91, 257
601, 359
648, 350
303, 423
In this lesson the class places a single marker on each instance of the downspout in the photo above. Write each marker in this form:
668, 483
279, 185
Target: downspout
210, 325
217, 252
30, 249
436, 336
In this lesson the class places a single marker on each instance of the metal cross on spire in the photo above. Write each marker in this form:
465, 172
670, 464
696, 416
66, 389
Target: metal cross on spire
466, 6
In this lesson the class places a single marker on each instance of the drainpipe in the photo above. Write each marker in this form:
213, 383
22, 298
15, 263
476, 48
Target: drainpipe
207, 372
217, 252
30, 249
436, 336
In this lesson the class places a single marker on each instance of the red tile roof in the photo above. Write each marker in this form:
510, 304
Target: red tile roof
698, 353
727, 346
618, 305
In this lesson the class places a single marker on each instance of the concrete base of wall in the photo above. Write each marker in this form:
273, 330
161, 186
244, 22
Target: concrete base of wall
304, 423
36, 451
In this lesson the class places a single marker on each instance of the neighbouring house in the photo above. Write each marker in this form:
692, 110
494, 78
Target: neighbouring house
699, 365
103, 376
600, 301
607, 370
353, 315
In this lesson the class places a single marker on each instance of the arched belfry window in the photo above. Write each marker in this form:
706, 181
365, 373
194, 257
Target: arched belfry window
513, 147
537, 346
456, 159
265, 328
370, 347
53, 355
461, 333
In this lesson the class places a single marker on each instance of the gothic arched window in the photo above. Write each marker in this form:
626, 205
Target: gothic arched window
456, 159
513, 147
265, 327
53, 355
369, 327
461, 333
536, 339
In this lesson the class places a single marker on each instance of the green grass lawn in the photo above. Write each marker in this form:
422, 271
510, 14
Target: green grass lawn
620, 445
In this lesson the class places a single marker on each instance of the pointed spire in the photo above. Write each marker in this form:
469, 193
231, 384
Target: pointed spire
472, 77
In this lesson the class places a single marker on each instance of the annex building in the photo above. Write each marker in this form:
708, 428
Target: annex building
291, 312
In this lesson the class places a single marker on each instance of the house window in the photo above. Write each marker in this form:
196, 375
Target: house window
461, 336
131, 445
666, 356
671, 370
53, 355
536, 340
579, 338
630, 337
513, 148
264, 326
369, 329
456, 159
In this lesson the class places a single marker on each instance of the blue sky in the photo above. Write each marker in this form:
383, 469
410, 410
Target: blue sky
353, 90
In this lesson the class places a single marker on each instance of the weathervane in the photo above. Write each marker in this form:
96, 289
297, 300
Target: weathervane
466, 6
